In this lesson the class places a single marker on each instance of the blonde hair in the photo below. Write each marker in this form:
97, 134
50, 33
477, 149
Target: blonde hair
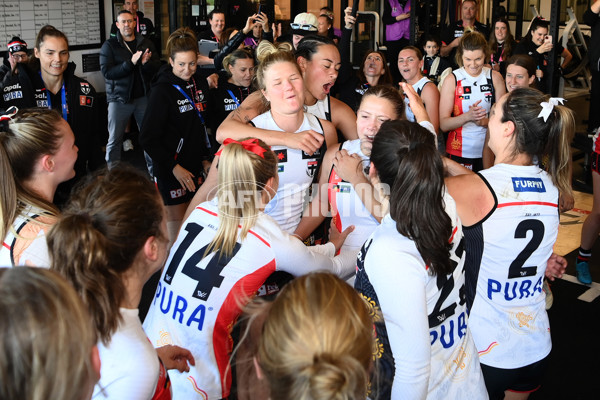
180, 41
28, 136
46, 338
549, 139
471, 40
268, 54
241, 172
103, 228
231, 59
317, 341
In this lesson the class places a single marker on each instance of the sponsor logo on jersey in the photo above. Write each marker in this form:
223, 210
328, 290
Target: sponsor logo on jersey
280, 168
13, 95
341, 188
485, 88
227, 100
230, 107
316, 154
85, 87
528, 185
467, 89
513, 289
12, 87
281, 155
177, 193
40, 95
185, 108
86, 101
42, 103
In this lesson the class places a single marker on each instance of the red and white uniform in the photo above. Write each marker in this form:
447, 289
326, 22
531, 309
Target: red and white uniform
596, 142
198, 297
424, 348
507, 255
467, 141
28, 246
296, 173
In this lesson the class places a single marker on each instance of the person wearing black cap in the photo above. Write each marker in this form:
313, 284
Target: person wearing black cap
17, 53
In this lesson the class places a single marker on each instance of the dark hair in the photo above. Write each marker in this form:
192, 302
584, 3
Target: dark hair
534, 136
509, 42
124, 11
104, 227
215, 11
391, 94
524, 61
49, 30
537, 22
471, 41
432, 38
385, 79
310, 44
181, 40
407, 160
417, 51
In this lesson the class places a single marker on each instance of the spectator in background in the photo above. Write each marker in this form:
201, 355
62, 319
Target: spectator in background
236, 12
324, 27
591, 18
49, 81
304, 24
538, 44
216, 20
128, 62
17, 53
329, 13
396, 15
433, 64
143, 25
451, 36
502, 44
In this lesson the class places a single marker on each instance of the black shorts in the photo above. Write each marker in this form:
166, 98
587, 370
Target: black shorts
594, 158
474, 164
170, 189
526, 379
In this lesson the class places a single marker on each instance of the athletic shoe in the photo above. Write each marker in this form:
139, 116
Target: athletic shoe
583, 272
549, 296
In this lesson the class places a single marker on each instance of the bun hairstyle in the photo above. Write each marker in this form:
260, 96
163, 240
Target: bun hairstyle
46, 338
268, 54
471, 41
103, 228
181, 40
49, 30
406, 159
534, 136
317, 341
242, 176
27, 136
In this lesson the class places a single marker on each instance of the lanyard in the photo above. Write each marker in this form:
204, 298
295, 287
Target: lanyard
237, 103
199, 116
63, 99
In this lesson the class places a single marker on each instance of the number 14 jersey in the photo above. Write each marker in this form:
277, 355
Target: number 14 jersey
507, 254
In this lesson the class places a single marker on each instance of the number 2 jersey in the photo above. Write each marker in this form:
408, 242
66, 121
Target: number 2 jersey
507, 254
423, 346
199, 298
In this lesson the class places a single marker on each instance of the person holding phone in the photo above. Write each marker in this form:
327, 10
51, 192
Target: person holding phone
539, 44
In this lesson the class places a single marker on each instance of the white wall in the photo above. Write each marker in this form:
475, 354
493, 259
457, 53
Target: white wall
95, 78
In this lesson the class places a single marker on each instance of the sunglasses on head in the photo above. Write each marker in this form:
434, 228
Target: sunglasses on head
304, 27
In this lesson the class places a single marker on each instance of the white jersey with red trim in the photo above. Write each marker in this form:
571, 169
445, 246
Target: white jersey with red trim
130, 367
467, 141
423, 345
507, 254
198, 297
28, 246
347, 208
296, 172
418, 86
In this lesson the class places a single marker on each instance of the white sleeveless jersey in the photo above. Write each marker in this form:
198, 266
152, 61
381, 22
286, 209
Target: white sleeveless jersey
467, 141
321, 109
29, 247
507, 255
347, 208
296, 173
410, 116
198, 298
424, 347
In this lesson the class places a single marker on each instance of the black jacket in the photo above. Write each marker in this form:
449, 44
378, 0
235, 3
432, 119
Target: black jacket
526, 46
224, 103
118, 70
170, 118
26, 89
